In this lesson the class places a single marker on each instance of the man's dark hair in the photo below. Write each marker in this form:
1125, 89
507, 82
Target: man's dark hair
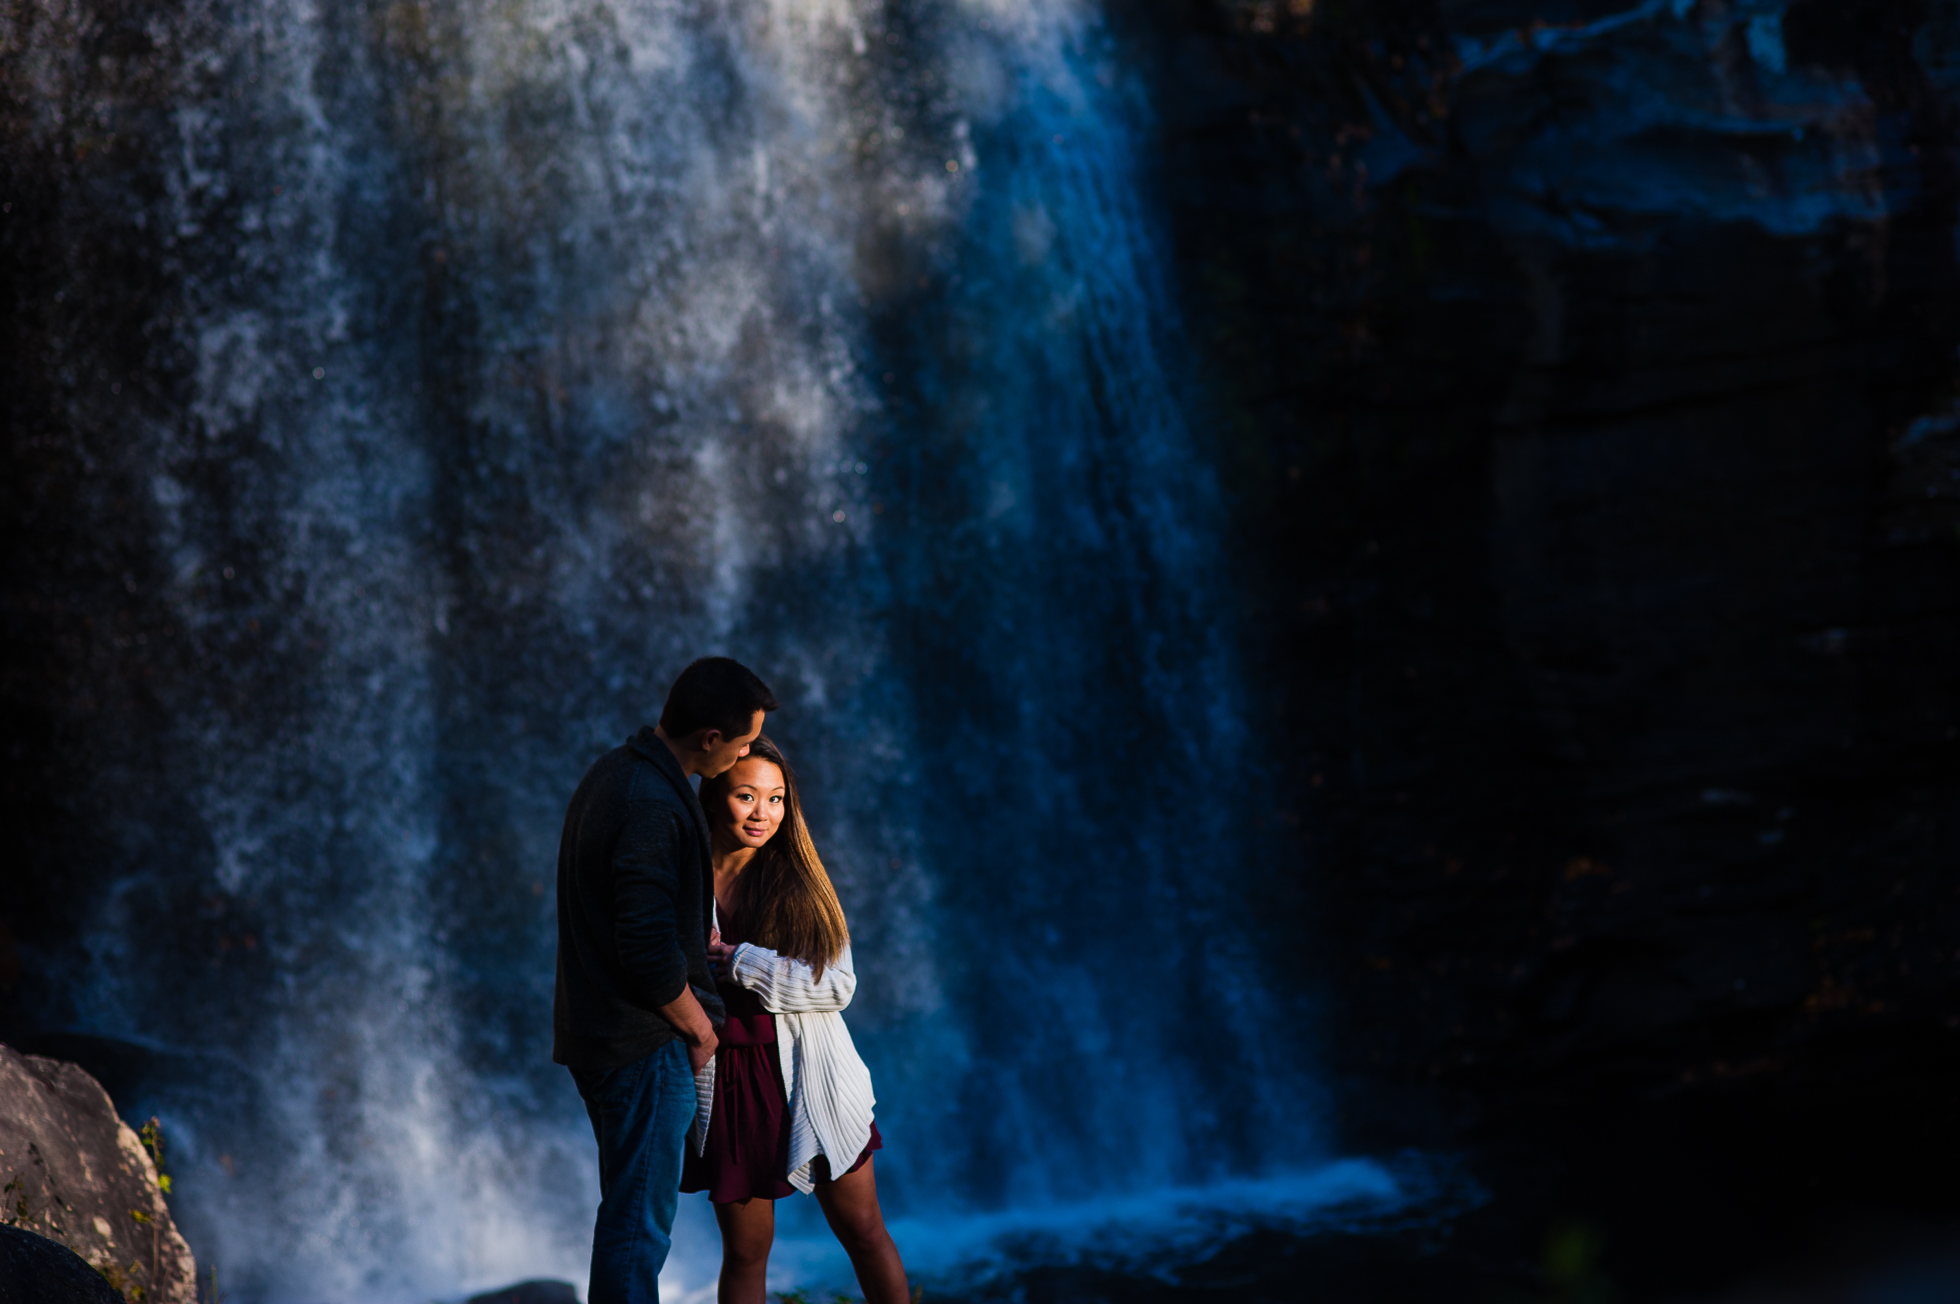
715, 693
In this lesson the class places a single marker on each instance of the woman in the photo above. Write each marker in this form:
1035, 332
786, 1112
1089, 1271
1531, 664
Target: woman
792, 1100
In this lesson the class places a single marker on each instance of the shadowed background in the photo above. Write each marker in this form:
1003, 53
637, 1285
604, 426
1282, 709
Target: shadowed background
1346, 576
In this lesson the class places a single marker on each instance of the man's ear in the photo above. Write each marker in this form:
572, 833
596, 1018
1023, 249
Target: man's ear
708, 739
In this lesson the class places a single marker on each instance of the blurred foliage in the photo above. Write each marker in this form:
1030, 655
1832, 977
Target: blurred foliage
1570, 1265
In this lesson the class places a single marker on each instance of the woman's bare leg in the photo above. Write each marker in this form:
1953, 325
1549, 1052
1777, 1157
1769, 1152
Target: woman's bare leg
850, 1204
748, 1228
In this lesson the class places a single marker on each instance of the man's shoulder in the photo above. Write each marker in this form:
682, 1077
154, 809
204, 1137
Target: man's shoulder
646, 785
612, 770
644, 773
628, 774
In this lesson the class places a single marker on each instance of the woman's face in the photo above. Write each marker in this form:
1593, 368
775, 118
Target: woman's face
756, 801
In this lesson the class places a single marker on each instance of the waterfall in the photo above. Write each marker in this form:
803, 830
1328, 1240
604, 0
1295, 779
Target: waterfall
497, 357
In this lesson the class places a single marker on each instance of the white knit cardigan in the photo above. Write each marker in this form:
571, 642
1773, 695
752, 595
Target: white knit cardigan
829, 1087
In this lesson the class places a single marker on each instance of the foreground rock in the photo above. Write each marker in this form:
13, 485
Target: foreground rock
36, 1270
75, 1173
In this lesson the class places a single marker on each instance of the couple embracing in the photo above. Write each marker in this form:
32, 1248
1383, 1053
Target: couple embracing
702, 961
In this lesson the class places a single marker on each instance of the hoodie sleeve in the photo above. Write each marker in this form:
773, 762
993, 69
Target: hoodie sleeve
646, 862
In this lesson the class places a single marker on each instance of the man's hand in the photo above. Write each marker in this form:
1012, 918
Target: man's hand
691, 1024
701, 1053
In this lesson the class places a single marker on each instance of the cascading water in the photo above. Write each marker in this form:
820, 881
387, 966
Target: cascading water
508, 354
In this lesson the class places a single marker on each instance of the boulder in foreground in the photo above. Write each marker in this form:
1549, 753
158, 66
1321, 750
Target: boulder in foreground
36, 1270
76, 1174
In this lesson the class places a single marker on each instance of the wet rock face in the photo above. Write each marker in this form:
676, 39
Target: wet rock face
76, 1174
1586, 373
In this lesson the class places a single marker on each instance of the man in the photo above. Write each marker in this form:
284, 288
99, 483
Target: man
635, 1013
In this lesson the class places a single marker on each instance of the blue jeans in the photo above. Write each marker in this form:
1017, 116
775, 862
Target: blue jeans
640, 1113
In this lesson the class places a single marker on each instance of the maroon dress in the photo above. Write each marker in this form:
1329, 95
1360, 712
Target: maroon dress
747, 1155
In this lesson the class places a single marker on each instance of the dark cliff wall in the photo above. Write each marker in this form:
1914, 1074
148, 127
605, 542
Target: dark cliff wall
1597, 478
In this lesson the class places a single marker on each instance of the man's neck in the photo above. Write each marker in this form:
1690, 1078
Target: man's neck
687, 760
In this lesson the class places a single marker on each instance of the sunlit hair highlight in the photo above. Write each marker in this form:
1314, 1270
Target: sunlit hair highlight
785, 897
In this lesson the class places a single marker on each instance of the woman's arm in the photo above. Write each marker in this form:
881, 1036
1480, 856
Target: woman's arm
789, 986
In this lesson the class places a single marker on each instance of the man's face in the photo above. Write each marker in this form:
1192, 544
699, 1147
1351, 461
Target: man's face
724, 752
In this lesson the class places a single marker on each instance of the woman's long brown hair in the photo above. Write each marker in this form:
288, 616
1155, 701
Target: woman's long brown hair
785, 897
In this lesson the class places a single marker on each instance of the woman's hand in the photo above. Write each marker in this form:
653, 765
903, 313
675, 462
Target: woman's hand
721, 958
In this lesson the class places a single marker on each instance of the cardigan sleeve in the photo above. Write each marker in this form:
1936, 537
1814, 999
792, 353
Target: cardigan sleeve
787, 985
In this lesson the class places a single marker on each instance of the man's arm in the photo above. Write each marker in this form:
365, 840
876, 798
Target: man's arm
646, 927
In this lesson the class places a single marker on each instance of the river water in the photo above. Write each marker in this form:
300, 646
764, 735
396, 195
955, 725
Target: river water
499, 357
